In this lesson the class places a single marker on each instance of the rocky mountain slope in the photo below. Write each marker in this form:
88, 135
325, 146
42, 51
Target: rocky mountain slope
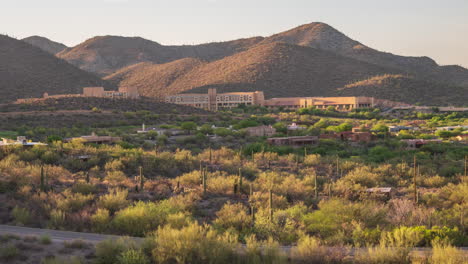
310, 60
405, 88
325, 37
151, 79
107, 54
27, 71
279, 69
45, 44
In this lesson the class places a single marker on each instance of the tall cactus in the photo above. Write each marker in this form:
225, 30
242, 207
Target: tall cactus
315, 185
240, 181
142, 180
87, 177
270, 201
204, 177
211, 156
415, 173
235, 187
252, 208
43, 184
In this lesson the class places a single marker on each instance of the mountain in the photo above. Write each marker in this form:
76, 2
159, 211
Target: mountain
151, 79
325, 37
107, 54
284, 70
45, 44
27, 71
252, 64
279, 69
405, 88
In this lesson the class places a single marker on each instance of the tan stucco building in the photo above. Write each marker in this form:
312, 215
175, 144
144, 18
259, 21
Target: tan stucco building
123, 92
340, 103
214, 101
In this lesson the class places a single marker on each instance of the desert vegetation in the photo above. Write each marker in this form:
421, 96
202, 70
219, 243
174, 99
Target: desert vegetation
217, 195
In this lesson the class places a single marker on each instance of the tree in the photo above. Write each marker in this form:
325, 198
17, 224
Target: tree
280, 127
189, 126
380, 128
206, 129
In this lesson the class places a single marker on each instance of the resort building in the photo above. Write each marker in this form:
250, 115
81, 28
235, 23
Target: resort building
294, 141
95, 139
214, 101
123, 92
339, 103
20, 141
261, 131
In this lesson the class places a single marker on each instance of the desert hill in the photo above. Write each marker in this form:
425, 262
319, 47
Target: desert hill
325, 37
151, 79
405, 88
279, 69
45, 44
27, 71
107, 54
282, 70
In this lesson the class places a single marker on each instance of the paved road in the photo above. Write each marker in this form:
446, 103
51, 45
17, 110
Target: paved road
62, 236
56, 235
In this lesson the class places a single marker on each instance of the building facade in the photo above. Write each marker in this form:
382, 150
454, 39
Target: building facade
123, 92
261, 131
339, 103
214, 101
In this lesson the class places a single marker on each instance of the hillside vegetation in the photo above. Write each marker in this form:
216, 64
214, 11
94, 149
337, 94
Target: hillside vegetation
45, 44
27, 71
407, 89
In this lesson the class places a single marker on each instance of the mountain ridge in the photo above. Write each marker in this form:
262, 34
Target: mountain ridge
45, 44
27, 71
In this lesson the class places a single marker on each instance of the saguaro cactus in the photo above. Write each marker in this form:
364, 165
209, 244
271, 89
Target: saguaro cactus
270, 201
142, 180
415, 173
43, 184
240, 180
315, 185
204, 183
211, 156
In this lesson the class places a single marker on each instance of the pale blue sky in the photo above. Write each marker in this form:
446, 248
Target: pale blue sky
436, 28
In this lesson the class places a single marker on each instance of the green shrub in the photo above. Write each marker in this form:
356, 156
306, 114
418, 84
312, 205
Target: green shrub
84, 188
108, 251
444, 253
45, 239
55, 260
133, 256
193, 244
73, 202
115, 200
9, 252
77, 243
382, 254
100, 220
21, 216
310, 250
141, 218
57, 219
233, 216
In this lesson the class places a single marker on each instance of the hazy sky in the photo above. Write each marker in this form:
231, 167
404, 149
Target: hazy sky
436, 28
